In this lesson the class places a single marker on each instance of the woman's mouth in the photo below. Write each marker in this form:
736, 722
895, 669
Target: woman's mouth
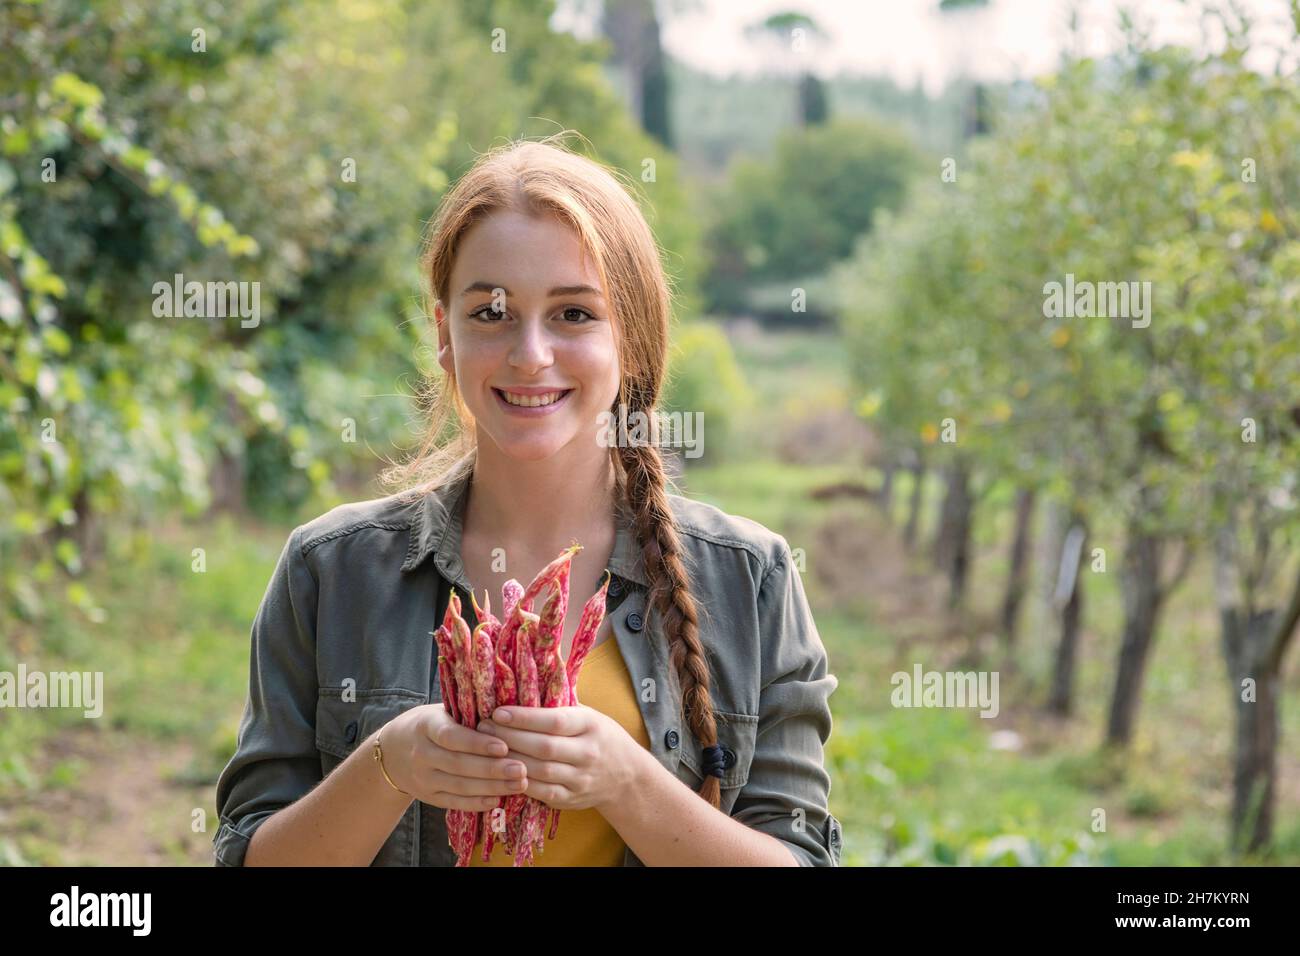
543, 403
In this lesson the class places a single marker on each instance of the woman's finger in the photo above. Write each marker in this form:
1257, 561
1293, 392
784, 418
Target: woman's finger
542, 746
473, 786
552, 794
472, 765
547, 771
450, 736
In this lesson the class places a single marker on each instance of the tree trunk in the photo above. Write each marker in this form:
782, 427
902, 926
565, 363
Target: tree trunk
85, 533
1253, 644
633, 31
952, 540
914, 504
227, 483
1050, 545
1142, 600
1254, 771
1016, 574
226, 480
1067, 597
887, 488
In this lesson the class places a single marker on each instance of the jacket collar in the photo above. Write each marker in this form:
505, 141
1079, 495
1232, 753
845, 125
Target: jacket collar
439, 517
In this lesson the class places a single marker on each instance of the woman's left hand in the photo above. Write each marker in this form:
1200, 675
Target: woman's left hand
577, 757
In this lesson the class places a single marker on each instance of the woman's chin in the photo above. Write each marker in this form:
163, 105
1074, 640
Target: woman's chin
536, 448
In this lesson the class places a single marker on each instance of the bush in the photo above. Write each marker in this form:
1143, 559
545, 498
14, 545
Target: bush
705, 378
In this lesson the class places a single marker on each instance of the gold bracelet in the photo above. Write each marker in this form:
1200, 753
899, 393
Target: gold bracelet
379, 759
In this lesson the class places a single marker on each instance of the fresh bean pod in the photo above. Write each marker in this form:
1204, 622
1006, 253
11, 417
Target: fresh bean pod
485, 672
593, 613
511, 592
548, 575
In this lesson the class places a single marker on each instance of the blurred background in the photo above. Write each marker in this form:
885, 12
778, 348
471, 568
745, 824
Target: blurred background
863, 206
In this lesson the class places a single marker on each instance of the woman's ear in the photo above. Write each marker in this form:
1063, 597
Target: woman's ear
444, 338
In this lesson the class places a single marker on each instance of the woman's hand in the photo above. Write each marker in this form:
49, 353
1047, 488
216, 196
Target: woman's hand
576, 757
446, 764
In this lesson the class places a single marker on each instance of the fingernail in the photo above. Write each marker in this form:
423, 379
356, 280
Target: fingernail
516, 770
502, 715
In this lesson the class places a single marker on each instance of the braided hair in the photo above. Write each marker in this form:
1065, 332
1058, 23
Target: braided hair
670, 591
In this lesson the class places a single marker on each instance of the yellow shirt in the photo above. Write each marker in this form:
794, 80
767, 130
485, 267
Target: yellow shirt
584, 837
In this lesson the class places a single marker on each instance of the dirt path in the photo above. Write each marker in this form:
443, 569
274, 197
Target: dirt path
861, 561
125, 807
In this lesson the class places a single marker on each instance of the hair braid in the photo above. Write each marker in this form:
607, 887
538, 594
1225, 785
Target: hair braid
670, 593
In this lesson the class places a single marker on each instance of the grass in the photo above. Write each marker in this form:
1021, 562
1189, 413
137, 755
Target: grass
173, 646
772, 493
797, 375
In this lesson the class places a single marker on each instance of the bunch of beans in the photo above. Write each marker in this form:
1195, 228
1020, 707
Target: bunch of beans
512, 661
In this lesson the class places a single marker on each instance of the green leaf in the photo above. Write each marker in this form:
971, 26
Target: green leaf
17, 142
73, 89
56, 340
68, 555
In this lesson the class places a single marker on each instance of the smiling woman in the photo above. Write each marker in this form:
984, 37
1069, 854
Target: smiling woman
702, 741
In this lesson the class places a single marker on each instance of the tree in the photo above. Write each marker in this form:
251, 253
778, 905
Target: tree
786, 33
775, 224
1174, 419
289, 166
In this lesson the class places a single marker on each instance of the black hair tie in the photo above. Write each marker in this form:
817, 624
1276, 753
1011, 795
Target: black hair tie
714, 761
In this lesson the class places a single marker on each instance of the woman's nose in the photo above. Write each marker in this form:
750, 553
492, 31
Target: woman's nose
532, 349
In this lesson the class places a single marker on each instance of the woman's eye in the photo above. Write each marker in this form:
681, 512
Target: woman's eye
488, 312
572, 315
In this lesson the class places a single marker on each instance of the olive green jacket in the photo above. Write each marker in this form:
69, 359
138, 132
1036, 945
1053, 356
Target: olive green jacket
357, 592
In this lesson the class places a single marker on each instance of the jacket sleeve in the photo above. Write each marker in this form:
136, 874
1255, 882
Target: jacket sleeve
786, 795
275, 760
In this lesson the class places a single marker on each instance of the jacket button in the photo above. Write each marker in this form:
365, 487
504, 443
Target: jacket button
634, 621
728, 758
615, 586
350, 732
671, 739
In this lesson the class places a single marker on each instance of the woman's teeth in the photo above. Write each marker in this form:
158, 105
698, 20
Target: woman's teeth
531, 401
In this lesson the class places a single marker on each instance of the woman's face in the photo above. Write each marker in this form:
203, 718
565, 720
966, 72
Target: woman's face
528, 335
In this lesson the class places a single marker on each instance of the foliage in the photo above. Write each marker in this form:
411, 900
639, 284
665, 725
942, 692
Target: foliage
294, 148
706, 380
774, 221
1128, 171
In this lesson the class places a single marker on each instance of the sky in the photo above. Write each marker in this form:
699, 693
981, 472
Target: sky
910, 40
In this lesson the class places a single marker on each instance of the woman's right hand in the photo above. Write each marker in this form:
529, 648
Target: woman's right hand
445, 764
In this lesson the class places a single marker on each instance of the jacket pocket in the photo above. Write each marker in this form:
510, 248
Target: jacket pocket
737, 735
342, 725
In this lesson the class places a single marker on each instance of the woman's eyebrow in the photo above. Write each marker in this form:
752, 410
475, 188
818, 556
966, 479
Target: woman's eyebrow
559, 290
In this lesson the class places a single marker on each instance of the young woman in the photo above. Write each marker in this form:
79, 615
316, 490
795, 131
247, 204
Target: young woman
703, 713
